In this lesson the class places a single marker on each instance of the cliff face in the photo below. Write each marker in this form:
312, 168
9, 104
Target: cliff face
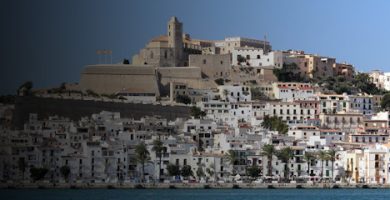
76, 109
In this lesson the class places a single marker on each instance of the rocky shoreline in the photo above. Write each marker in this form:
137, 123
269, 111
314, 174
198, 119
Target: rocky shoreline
194, 186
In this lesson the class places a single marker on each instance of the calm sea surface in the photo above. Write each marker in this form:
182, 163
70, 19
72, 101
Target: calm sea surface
194, 194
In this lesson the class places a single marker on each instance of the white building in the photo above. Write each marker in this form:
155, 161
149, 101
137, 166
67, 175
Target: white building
345, 121
291, 111
380, 79
235, 93
332, 103
255, 57
303, 132
363, 104
228, 45
201, 130
290, 90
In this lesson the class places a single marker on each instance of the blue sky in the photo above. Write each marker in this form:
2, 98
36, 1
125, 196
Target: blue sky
49, 42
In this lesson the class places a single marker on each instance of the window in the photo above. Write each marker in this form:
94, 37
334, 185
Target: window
258, 56
204, 61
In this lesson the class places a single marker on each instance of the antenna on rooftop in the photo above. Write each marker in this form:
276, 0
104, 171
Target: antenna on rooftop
264, 42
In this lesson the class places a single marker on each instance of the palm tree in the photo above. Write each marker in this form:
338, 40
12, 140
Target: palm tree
285, 155
65, 172
322, 155
268, 151
211, 171
173, 170
200, 172
267, 122
231, 157
309, 157
332, 158
275, 123
22, 165
226, 93
158, 147
142, 156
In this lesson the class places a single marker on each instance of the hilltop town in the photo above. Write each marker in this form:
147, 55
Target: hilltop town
209, 112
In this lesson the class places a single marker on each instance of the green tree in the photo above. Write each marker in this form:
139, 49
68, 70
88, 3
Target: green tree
309, 158
173, 170
253, 171
285, 155
210, 171
142, 156
240, 59
323, 156
183, 99
38, 173
200, 173
385, 103
332, 157
158, 148
197, 113
219, 81
25, 88
268, 151
226, 94
257, 94
65, 172
363, 82
186, 171
267, 122
275, 123
232, 158
22, 165
288, 73
125, 61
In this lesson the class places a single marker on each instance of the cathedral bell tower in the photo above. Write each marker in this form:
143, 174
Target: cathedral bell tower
175, 40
